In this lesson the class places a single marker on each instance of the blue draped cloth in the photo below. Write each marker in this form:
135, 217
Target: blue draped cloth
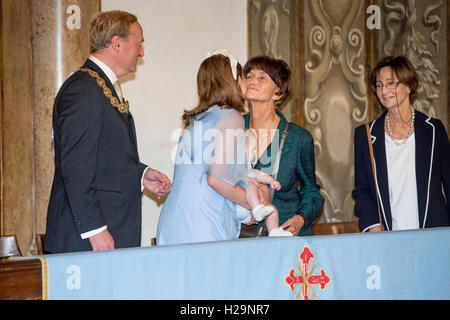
388, 265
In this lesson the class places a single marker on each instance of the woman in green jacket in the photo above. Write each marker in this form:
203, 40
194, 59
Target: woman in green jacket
268, 84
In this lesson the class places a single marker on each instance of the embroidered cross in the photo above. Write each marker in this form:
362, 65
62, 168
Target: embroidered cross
306, 279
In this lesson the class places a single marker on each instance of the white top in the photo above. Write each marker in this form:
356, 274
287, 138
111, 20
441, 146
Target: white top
401, 168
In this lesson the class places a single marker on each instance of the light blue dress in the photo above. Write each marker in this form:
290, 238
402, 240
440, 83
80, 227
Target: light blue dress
212, 145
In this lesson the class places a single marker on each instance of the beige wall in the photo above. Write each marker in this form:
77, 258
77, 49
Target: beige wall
178, 34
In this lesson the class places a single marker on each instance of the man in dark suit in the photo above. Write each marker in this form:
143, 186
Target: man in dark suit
95, 201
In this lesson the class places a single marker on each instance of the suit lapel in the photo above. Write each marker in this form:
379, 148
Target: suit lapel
133, 134
127, 119
424, 149
91, 65
379, 151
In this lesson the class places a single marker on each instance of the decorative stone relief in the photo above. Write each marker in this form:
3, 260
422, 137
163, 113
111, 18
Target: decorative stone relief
415, 29
270, 33
335, 96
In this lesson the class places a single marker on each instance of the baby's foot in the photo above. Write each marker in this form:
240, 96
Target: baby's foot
279, 232
261, 211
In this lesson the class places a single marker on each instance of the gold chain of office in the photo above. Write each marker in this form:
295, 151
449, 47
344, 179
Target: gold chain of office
123, 107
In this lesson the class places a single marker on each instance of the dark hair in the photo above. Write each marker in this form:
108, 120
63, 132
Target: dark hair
402, 68
216, 85
278, 71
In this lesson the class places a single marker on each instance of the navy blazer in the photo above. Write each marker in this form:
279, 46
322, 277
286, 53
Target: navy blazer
432, 174
97, 179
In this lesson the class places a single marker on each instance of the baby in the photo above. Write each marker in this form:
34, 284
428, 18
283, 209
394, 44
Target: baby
258, 210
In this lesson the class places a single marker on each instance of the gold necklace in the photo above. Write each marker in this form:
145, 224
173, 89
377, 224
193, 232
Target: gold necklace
257, 155
123, 107
411, 127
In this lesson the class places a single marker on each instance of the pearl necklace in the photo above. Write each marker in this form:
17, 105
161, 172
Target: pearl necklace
410, 130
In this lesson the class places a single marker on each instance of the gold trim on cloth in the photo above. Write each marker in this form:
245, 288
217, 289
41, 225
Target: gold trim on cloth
44, 265
122, 107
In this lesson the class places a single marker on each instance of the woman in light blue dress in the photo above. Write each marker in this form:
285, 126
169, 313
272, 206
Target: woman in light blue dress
210, 165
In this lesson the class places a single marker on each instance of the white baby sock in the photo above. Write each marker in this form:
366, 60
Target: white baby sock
261, 211
279, 232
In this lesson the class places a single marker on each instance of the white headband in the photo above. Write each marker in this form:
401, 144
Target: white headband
229, 55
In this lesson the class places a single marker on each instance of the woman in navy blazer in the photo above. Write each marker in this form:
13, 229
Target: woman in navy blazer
395, 83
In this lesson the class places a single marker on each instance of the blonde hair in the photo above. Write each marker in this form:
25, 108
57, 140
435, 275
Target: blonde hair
216, 85
106, 25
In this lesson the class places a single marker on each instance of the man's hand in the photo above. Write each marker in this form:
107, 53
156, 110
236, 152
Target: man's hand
156, 182
102, 241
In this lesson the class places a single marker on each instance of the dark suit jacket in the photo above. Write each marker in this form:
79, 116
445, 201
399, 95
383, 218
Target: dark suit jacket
432, 172
97, 179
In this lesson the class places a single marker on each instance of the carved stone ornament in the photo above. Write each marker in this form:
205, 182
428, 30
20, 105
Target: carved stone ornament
405, 36
335, 96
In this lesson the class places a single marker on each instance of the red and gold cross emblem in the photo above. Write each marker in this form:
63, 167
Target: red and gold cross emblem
306, 278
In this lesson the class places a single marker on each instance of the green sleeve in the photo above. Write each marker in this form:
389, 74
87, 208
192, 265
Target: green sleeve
311, 201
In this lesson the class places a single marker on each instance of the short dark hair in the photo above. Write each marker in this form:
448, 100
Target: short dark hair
402, 68
278, 71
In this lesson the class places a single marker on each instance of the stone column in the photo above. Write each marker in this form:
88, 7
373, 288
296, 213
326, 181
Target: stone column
17, 122
60, 33
335, 96
42, 42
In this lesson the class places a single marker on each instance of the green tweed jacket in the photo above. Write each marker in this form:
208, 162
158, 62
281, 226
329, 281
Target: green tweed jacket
299, 193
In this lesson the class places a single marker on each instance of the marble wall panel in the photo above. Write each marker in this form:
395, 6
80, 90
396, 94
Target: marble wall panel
17, 216
270, 34
60, 32
335, 95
